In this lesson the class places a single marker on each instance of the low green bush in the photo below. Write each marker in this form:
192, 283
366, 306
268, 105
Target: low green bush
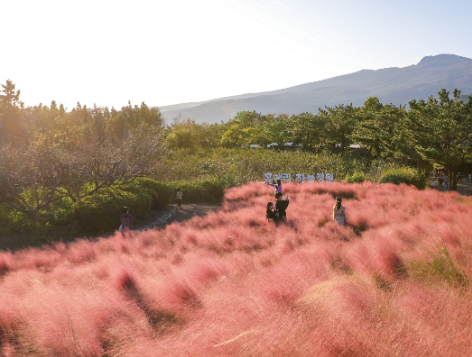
357, 177
406, 175
60, 212
101, 212
199, 191
162, 192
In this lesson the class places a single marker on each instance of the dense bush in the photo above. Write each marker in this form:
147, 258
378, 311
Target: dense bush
161, 192
357, 177
102, 211
60, 212
406, 175
198, 191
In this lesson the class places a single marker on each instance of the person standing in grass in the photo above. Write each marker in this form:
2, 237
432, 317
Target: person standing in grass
278, 186
178, 195
280, 206
126, 220
339, 213
446, 182
270, 212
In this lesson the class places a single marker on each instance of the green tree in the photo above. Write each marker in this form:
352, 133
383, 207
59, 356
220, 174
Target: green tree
234, 137
305, 129
30, 178
274, 129
339, 123
440, 131
376, 127
182, 133
11, 124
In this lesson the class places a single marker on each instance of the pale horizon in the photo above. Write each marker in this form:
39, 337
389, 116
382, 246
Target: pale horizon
164, 53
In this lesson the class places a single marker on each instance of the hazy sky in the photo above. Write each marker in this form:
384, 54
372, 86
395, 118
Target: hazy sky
177, 51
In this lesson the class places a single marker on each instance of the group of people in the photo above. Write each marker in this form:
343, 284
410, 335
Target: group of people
277, 212
443, 182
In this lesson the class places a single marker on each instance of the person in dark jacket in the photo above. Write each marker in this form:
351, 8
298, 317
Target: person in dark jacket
126, 220
270, 212
281, 205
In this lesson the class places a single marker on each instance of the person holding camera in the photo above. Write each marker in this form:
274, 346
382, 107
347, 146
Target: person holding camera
277, 186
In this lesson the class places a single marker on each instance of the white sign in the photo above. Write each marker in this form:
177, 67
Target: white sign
320, 177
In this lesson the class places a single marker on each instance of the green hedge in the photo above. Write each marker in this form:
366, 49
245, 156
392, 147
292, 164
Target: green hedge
101, 212
162, 192
406, 175
202, 191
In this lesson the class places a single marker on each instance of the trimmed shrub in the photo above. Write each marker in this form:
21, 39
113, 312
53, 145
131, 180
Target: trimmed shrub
162, 192
149, 185
406, 175
102, 211
199, 191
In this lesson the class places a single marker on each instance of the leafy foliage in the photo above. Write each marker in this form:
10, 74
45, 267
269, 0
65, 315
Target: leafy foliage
101, 212
201, 191
162, 193
406, 175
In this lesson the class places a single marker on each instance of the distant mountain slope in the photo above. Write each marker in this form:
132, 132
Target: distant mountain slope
390, 85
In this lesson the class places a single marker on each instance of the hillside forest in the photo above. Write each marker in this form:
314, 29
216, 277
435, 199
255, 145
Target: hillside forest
58, 163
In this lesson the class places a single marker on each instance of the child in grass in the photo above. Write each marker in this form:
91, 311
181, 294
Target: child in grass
270, 213
339, 213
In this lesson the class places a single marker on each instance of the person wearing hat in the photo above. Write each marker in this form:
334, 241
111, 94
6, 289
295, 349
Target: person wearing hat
339, 213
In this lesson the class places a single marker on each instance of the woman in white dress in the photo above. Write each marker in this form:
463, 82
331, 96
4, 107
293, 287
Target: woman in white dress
339, 213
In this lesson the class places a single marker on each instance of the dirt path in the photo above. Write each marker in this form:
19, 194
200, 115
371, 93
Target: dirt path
188, 211
16, 241
464, 188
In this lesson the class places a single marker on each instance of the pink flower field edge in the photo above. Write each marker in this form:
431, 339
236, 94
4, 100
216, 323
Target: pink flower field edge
393, 282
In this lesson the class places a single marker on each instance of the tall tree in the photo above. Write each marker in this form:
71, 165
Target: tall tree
440, 131
30, 178
339, 123
376, 127
11, 124
306, 129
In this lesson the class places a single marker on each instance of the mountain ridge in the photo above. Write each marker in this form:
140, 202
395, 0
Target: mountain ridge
396, 85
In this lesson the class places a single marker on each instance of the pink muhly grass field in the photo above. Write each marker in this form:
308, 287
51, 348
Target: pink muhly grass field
394, 281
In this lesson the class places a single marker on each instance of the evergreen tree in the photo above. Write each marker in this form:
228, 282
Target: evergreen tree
440, 130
